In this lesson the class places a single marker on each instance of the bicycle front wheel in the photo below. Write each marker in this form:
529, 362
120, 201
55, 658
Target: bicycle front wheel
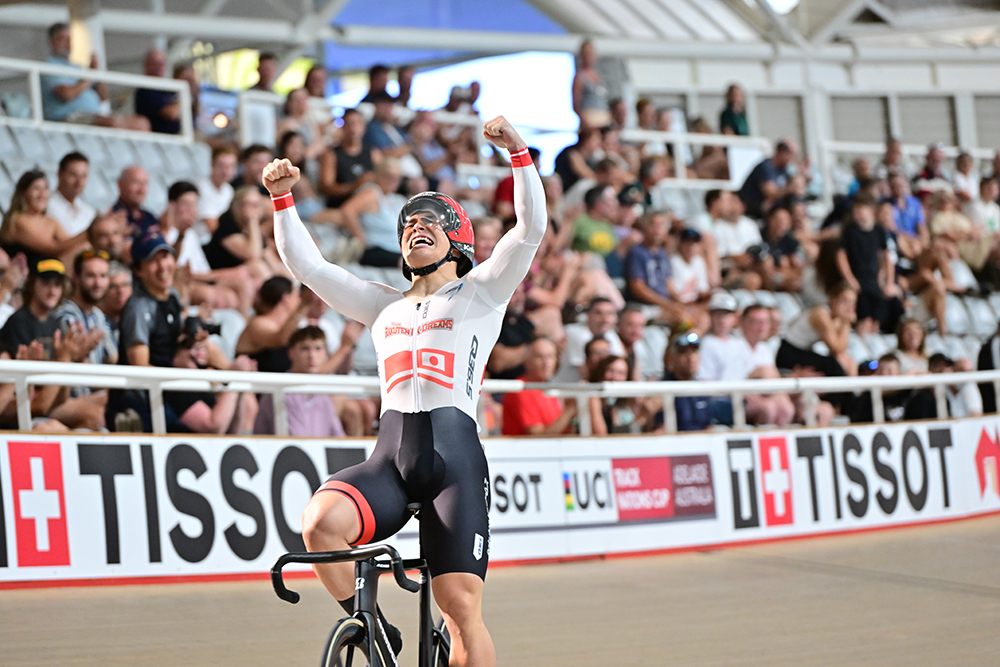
441, 646
343, 646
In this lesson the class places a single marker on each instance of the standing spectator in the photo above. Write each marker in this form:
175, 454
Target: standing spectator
161, 107
119, 291
309, 415
682, 360
378, 79
530, 411
831, 325
27, 229
66, 204
371, 215
601, 320
267, 71
215, 190
277, 314
733, 119
77, 100
253, 159
133, 185
864, 262
590, 96
965, 181
404, 76
349, 165
769, 180
107, 233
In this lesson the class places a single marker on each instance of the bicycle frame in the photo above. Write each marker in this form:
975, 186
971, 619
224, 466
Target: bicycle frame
367, 571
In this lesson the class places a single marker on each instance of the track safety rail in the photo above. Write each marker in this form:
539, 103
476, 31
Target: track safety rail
25, 374
35, 70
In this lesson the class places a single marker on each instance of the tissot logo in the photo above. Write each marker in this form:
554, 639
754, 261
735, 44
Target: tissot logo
39, 504
988, 463
776, 478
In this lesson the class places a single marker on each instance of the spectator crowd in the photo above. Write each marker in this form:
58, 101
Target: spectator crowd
635, 280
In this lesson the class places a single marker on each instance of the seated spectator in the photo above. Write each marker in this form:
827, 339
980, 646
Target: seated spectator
648, 274
107, 233
893, 161
862, 169
960, 238
133, 186
506, 361
204, 411
119, 291
690, 276
590, 96
220, 288
646, 362
831, 325
982, 209
298, 119
964, 400
27, 229
607, 173
78, 100
601, 320
215, 192
894, 401
594, 230
349, 165
616, 415
965, 181
35, 320
595, 350
378, 79
267, 71
162, 108
239, 240
727, 357
768, 183
151, 325
733, 119
910, 336
682, 361
309, 415
781, 263
530, 411
253, 159
908, 211
865, 264
735, 234
932, 178
383, 135
66, 204
579, 160
371, 215
277, 314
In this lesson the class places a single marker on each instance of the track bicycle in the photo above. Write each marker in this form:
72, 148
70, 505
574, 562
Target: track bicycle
360, 632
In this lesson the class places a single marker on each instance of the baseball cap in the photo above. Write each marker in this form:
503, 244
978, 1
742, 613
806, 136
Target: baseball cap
48, 267
148, 244
689, 234
723, 301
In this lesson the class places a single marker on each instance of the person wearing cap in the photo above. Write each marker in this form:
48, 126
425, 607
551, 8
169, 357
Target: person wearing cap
682, 360
432, 343
531, 411
35, 320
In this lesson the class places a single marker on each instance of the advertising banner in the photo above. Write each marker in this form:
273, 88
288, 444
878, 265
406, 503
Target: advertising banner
133, 508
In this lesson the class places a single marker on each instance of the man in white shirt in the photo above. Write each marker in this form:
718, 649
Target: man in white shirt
66, 204
601, 319
984, 212
728, 358
735, 234
215, 191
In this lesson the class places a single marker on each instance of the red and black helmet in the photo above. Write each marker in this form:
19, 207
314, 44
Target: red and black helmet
451, 217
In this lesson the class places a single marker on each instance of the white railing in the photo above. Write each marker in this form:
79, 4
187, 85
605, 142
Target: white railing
24, 374
35, 70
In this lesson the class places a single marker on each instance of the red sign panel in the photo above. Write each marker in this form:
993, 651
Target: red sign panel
39, 504
643, 488
776, 480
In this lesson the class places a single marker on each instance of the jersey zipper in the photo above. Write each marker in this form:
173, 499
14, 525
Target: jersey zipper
413, 354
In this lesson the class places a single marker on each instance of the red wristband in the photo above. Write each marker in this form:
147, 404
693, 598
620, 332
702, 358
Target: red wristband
281, 202
521, 158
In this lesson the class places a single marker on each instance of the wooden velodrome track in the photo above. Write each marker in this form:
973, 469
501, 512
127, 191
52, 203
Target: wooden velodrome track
915, 596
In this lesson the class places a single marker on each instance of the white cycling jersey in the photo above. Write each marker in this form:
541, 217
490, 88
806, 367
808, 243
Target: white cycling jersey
431, 354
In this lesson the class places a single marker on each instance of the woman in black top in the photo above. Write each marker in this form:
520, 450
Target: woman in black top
350, 165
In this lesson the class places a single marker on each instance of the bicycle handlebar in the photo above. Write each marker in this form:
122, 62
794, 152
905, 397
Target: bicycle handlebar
359, 553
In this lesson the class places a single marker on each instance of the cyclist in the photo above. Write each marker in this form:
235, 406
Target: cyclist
433, 342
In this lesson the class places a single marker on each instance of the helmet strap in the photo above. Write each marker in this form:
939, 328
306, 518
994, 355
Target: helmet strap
431, 268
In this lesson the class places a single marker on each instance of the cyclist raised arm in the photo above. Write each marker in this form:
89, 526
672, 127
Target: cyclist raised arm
432, 343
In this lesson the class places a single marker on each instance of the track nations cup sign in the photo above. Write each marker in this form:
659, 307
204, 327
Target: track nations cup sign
101, 507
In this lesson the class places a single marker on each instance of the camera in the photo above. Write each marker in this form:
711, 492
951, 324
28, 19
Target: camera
193, 324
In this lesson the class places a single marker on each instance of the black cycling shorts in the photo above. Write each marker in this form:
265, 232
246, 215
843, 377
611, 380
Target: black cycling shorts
434, 458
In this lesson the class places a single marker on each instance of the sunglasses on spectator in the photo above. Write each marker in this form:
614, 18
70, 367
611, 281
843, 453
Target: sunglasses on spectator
91, 253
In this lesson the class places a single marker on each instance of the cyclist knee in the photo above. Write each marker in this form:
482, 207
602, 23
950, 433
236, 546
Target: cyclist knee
460, 603
328, 522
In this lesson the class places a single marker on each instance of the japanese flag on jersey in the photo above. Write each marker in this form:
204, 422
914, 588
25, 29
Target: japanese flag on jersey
437, 366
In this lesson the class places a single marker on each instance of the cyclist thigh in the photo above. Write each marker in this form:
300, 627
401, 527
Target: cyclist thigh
454, 528
375, 490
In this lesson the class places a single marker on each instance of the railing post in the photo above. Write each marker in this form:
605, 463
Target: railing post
669, 413
187, 120
878, 407
22, 395
739, 411
810, 399
35, 91
280, 413
941, 401
156, 410
583, 410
